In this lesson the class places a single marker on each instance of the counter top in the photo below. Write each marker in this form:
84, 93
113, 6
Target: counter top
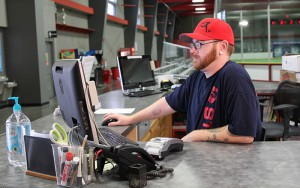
261, 164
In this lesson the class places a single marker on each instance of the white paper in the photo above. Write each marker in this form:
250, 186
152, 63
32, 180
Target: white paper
115, 110
88, 62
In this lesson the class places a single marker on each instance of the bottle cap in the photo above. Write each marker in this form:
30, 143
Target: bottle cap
17, 106
69, 156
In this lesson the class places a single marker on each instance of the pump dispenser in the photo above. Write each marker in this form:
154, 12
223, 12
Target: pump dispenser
17, 125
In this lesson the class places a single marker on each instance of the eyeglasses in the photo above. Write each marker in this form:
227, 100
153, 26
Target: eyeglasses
198, 45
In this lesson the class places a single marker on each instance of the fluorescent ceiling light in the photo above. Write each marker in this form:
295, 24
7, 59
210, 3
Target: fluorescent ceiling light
200, 8
198, 1
243, 23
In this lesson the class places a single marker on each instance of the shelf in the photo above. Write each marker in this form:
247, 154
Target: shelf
117, 20
143, 28
75, 6
63, 27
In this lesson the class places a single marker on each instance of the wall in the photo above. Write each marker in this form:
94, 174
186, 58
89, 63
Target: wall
139, 42
70, 40
154, 48
139, 37
3, 20
25, 50
112, 41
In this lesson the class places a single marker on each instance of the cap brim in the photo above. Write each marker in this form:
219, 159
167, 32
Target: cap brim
188, 37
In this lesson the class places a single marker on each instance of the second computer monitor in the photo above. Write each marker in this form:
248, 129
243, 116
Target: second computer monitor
135, 72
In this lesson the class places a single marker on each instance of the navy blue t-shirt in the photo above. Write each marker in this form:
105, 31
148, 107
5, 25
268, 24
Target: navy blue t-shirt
226, 98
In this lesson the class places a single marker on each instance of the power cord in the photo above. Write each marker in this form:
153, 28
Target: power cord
160, 172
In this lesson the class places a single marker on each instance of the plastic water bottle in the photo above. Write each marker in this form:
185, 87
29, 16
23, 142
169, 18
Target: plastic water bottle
17, 125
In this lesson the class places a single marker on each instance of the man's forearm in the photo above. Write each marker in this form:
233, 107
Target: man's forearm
158, 109
216, 135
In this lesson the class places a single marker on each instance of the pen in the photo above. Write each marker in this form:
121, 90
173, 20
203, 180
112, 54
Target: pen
84, 141
79, 174
67, 168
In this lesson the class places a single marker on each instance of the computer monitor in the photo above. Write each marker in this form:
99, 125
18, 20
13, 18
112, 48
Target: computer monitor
135, 72
73, 97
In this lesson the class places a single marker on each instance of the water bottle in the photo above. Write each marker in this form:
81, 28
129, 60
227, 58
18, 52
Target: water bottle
17, 125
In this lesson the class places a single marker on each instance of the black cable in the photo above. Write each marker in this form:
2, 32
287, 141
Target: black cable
160, 172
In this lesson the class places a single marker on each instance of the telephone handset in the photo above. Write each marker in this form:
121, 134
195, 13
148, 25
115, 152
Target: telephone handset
136, 151
125, 155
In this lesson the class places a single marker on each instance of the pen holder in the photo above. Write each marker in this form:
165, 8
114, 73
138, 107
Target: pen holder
73, 165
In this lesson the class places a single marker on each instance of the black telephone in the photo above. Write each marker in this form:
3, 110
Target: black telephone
125, 155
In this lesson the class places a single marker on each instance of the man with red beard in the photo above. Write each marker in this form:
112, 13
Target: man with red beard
219, 97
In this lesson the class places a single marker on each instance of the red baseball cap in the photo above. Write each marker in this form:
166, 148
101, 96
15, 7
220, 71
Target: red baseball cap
210, 29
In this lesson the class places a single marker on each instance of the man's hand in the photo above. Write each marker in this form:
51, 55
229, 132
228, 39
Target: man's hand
122, 119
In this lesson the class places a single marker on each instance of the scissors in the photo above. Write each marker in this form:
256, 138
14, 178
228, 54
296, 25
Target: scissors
58, 135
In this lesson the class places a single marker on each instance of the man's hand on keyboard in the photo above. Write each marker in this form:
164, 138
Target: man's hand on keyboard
121, 119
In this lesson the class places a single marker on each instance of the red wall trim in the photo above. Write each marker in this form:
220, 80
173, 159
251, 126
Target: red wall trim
75, 6
143, 28
117, 20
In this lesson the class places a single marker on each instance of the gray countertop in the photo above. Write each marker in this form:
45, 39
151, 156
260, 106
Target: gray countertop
261, 164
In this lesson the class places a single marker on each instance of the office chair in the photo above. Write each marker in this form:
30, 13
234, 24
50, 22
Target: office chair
286, 104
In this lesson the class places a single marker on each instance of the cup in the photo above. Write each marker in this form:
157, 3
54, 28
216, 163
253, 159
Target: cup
73, 166
106, 76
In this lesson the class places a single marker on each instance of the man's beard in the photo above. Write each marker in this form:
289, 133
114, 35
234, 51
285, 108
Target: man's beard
200, 64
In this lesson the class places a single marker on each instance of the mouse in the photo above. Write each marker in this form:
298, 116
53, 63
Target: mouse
105, 123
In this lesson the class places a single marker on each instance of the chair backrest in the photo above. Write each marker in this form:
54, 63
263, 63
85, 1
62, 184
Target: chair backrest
288, 92
262, 136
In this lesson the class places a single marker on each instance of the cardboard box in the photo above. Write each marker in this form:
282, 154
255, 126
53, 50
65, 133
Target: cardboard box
289, 75
70, 53
291, 62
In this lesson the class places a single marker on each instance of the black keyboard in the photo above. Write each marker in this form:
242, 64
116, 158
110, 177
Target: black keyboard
143, 93
112, 138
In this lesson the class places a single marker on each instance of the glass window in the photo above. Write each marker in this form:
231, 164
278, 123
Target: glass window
257, 37
111, 8
139, 17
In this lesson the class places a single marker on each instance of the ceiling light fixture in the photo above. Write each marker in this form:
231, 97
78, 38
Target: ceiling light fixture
200, 8
243, 23
198, 1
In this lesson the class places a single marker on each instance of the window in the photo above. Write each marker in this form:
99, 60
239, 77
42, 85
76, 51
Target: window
138, 22
111, 8
1, 50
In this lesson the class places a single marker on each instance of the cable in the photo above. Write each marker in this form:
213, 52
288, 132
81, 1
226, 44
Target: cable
161, 172
96, 155
70, 142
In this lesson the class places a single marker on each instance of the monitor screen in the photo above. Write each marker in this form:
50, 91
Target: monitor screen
73, 97
135, 72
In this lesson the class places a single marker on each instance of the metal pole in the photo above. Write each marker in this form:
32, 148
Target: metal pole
241, 29
269, 33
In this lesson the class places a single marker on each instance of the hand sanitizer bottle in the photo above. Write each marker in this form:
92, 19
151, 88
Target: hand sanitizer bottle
17, 125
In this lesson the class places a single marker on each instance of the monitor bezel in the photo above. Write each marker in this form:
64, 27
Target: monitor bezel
137, 85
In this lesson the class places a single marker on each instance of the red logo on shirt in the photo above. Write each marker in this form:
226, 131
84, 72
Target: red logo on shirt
213, 95
210, 111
